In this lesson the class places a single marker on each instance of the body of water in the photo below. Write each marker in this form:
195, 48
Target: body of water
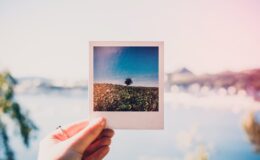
209, 126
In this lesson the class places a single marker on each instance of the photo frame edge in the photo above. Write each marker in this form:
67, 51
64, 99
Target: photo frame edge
160, 113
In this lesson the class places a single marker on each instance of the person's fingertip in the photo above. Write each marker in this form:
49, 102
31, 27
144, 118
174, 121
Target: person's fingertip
113, 133
108, 141
102, 121
107, 133
105, 151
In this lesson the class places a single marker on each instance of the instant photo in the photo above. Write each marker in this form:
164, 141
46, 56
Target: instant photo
126, 83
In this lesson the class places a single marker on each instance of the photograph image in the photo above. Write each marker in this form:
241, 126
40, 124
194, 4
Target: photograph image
126, 78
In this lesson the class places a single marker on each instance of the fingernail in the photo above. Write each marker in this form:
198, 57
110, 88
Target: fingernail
102, 122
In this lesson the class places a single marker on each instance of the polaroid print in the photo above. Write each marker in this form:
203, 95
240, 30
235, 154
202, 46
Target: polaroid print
126, 84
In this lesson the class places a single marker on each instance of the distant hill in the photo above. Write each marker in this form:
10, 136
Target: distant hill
181, 75
39, 84
248, 80
183, 71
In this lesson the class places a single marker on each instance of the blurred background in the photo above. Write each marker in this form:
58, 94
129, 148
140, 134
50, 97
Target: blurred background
212, 74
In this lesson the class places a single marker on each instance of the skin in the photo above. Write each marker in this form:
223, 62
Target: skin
84, 140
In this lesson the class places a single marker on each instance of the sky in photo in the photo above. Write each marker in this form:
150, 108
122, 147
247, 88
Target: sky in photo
115, 64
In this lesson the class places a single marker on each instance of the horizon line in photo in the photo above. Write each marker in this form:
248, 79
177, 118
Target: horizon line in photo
134, 84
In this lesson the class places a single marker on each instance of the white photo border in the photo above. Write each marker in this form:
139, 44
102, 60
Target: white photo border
129, 120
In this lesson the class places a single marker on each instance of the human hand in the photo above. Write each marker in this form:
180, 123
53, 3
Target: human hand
79, 141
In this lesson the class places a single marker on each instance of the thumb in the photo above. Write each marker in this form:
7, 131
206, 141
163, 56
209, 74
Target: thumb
80, 141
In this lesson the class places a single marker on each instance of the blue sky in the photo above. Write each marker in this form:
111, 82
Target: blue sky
115, 64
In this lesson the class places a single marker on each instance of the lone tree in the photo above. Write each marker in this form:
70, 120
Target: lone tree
128, 81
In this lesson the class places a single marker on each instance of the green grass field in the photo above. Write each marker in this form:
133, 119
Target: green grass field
111, 97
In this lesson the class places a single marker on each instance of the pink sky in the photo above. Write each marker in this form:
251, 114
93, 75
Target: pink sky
50, 38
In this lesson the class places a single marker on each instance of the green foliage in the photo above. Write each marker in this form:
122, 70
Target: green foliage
11, 110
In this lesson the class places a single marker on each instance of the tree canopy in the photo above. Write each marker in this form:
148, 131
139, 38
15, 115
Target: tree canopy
128, 81
10, 111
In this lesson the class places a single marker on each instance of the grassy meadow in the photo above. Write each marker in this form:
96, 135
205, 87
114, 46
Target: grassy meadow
112, 97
